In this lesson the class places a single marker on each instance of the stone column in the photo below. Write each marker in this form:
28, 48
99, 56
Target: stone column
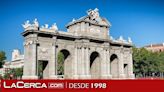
30, 61
52, 63
121, 64
82, 67
130, 66
79, 61
108, 64
75, 76
34, 59
82, 62
87, 61
87, 64
103, 65
25, 68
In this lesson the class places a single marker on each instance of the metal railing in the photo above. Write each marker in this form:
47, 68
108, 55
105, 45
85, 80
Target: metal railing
158, 75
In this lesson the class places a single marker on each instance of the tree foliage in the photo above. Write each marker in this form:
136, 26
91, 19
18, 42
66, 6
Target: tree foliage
16, 72
60, 62
147, 62
40, 69
2, 58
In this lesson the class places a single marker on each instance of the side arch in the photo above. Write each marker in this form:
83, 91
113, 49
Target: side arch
95, 65
64, 63
114, 66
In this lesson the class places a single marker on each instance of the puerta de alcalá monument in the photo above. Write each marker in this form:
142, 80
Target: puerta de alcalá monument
88, 49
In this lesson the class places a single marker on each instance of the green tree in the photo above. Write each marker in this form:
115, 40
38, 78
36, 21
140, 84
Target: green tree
8, 73
40, 69
147, 62
140, 62
161, 61
6, 76
60, 62
2, 58
18, 72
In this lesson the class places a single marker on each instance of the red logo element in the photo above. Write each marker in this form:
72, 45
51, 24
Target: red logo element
56, 85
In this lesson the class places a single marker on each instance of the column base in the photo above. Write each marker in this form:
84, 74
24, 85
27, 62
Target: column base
81, 76
122, 76
131, 76
29, 77
53, 77
75, 77
85, 76
106, 76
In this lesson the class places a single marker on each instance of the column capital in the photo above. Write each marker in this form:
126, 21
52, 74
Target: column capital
30, 42
54, 37
54, 44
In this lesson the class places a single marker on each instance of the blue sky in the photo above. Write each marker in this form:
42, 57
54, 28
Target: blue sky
142, 20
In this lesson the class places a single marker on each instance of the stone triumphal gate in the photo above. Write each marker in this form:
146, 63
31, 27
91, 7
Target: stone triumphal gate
89, 50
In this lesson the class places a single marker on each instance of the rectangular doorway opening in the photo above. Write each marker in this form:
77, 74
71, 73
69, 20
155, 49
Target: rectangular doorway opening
42, 69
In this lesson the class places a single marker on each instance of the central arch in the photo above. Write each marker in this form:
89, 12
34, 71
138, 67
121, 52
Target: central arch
114, 66
95, 65
64, 63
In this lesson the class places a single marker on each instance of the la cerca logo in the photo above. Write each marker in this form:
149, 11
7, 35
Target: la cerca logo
22, 84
